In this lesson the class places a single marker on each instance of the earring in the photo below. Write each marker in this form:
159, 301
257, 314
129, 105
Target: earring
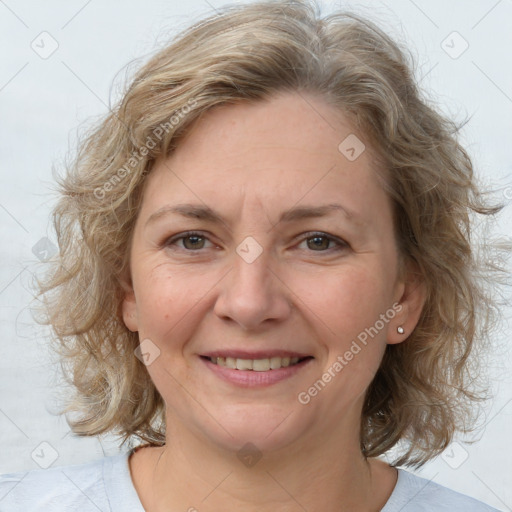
400, 329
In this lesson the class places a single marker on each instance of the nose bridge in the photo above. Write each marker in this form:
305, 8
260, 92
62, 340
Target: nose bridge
251, 292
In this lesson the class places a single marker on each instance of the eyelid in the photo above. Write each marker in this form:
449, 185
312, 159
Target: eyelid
179, 236
341, 244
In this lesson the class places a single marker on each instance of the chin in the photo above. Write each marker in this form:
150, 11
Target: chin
266, 427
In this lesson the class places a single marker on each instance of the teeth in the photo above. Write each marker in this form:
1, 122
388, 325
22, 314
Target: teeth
275, 363
257, 365
261, 365
242, 364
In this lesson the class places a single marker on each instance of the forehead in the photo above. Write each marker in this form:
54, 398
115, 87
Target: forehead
270, 154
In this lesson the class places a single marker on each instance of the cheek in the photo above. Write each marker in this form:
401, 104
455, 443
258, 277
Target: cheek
165, 300
353, 336
352, 300
351, 306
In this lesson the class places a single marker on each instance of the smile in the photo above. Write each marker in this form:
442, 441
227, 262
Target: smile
257, 365
258, 372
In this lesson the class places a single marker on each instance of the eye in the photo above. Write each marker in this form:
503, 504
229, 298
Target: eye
319, 242
192, 241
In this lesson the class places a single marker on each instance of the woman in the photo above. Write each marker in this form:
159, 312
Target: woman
265, 277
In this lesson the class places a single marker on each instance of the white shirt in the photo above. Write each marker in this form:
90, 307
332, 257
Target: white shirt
105, 485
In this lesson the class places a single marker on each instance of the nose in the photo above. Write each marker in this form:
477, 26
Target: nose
253, 294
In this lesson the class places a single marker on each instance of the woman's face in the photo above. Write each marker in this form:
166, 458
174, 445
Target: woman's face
272, 272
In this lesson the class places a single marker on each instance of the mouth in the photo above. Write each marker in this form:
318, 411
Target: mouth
261, 364
256, 369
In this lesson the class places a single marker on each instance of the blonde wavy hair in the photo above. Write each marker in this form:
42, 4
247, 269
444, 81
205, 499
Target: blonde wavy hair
426, 388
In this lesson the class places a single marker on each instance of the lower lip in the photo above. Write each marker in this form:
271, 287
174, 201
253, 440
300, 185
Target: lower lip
251, 378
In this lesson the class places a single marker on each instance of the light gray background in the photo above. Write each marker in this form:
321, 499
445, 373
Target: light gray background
42, 102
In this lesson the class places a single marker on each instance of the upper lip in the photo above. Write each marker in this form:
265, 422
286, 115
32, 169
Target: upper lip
254, 354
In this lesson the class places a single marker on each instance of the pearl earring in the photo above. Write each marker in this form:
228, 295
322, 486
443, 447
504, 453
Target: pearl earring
400, 329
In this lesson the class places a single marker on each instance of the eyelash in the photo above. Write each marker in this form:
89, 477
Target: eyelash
342, 245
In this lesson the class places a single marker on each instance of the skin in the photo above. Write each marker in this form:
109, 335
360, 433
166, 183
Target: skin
250, 162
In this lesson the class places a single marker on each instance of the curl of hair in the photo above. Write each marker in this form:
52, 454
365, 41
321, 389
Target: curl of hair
425, 388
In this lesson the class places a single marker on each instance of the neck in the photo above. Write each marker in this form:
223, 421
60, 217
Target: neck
191, 474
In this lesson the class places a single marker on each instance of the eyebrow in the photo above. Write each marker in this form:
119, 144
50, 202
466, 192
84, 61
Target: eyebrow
205, 213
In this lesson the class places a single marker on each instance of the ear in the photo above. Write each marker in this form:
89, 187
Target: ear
410, 299
129, 303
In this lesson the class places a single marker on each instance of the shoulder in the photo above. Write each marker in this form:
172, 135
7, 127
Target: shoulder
81, 487
416, 494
